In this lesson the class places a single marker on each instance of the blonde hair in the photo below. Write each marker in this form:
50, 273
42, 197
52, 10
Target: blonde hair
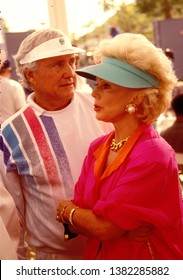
30, 42
137, 50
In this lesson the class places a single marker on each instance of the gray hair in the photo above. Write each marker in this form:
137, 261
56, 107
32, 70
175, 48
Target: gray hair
30, 42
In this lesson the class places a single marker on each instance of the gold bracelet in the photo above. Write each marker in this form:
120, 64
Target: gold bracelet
71, 216
62, 213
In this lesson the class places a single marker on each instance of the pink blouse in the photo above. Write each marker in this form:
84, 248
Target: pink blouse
140, 186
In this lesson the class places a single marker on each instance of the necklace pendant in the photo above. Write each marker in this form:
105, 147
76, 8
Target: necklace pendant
116, 146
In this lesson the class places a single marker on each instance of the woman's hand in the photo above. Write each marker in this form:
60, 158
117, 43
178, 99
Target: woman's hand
61, 210
91, 225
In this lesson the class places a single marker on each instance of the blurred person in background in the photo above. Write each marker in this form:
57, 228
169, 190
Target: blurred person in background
130, 176
174, 134
9, 225
82, 84
6, 69
114, 30
13, 96
178, 89
167, 118
9, 220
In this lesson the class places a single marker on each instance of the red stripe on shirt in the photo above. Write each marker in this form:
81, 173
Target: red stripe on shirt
43, 146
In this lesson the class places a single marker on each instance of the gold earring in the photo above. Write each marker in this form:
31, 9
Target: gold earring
130, 108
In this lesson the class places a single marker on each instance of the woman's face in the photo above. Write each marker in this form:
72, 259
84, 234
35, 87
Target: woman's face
111, 100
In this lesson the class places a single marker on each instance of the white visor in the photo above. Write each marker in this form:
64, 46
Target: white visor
54, 47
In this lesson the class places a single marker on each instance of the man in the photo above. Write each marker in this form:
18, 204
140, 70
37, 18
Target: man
12, 93
44, 144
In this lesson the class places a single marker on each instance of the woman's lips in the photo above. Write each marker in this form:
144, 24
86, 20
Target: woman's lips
97, 108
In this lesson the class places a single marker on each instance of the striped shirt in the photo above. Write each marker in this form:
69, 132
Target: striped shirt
43, 153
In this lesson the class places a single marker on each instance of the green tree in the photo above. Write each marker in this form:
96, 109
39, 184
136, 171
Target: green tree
128, 19
168, 8
3, 24
136, 17
107, 4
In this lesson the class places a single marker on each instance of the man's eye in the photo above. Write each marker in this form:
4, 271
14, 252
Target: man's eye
58, 64
72, 61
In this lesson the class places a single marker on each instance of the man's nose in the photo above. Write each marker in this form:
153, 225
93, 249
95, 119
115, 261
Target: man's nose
69, 71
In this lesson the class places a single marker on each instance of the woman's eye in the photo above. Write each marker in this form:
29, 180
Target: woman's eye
102, 86
106, 86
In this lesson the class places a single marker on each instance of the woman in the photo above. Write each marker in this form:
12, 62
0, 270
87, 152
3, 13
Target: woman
129, 178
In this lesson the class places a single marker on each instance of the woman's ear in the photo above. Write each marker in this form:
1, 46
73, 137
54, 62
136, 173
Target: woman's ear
138, 98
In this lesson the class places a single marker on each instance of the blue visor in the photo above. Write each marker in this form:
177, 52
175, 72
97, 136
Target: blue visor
120, 73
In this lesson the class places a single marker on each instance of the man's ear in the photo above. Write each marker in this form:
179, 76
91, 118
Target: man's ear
29, 74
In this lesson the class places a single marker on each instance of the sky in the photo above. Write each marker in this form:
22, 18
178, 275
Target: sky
23, 15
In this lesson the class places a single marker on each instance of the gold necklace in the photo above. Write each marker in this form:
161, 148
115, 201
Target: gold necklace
116, 146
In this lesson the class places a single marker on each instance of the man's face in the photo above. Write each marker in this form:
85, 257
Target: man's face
54, 81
